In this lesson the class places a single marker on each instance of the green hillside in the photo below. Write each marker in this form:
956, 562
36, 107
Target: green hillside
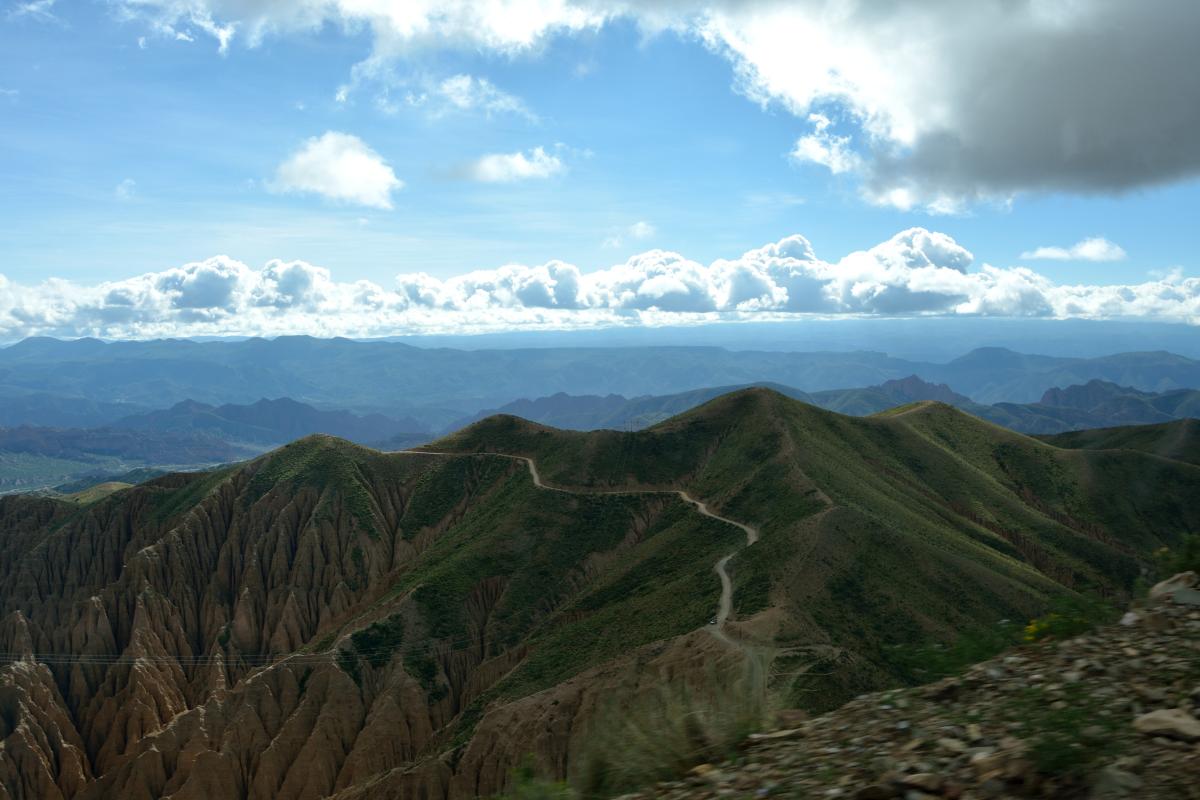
1178, 440
883, 530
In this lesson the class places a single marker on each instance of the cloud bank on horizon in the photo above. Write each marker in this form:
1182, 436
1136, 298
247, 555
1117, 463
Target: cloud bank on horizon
917, 272
1098, 96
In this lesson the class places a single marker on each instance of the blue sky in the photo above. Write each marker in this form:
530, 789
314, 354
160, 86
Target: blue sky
130, 143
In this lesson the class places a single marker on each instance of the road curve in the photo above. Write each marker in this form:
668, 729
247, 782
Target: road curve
724, 605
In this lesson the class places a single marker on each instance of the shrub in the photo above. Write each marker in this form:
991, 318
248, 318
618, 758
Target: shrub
526, 785
925, 663
1070, 740
1070, 616
672, 727
379, 640
1184, 558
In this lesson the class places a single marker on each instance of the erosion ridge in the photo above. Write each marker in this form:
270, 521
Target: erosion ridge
475, 618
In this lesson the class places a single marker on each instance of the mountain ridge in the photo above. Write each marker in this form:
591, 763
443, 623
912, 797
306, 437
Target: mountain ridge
439, 385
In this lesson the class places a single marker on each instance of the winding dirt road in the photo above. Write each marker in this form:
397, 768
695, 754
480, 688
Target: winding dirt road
724, 605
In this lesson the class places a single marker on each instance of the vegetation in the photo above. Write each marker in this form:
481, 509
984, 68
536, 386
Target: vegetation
1070, 615
96, 493
890, 533
661, 734
1178, 440
524, 784
1067, 738
1183, 558
379, 640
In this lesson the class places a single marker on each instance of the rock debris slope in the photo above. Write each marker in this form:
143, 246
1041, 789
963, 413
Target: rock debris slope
1111, 714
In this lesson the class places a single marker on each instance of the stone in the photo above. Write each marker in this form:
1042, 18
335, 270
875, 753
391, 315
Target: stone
991, 788
776, 736
925, 781
952, 745
1185, 597
1184, 580
1112, 783
1172, 723
1151, 694
876, 791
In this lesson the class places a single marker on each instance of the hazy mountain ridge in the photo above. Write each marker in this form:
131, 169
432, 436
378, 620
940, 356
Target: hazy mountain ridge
439, 386
1094, 405
486, 611
269, 422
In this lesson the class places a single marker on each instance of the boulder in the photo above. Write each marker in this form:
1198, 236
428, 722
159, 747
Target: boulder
1184, 580
1173, 723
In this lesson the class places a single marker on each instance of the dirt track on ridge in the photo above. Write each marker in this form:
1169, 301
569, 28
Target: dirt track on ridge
724, 604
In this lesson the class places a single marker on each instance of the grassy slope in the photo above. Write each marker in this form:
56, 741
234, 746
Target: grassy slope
1178, 440
937, 520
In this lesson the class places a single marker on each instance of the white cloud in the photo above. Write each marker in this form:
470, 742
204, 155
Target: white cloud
1094, 249
469, 93
35, 9
916, 272
125, 189
824, 148
436, 97
509, 167
340, 167
642, 230
639, 230
942, 114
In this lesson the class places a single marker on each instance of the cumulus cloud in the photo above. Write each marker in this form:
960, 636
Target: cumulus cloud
340, 167
509, 167
916, 272
126, 189
1094, 249
1105, 96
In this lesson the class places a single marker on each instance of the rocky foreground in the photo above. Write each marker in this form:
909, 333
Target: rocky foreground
1112, 714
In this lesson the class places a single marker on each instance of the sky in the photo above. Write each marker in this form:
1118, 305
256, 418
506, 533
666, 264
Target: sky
381, 167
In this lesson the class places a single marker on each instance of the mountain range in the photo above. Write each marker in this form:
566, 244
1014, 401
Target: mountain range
268, 422
332, 621
187, 435
197, 434
1096, 404
438, 386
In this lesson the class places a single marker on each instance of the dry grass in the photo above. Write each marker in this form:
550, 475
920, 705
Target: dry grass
666, 730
